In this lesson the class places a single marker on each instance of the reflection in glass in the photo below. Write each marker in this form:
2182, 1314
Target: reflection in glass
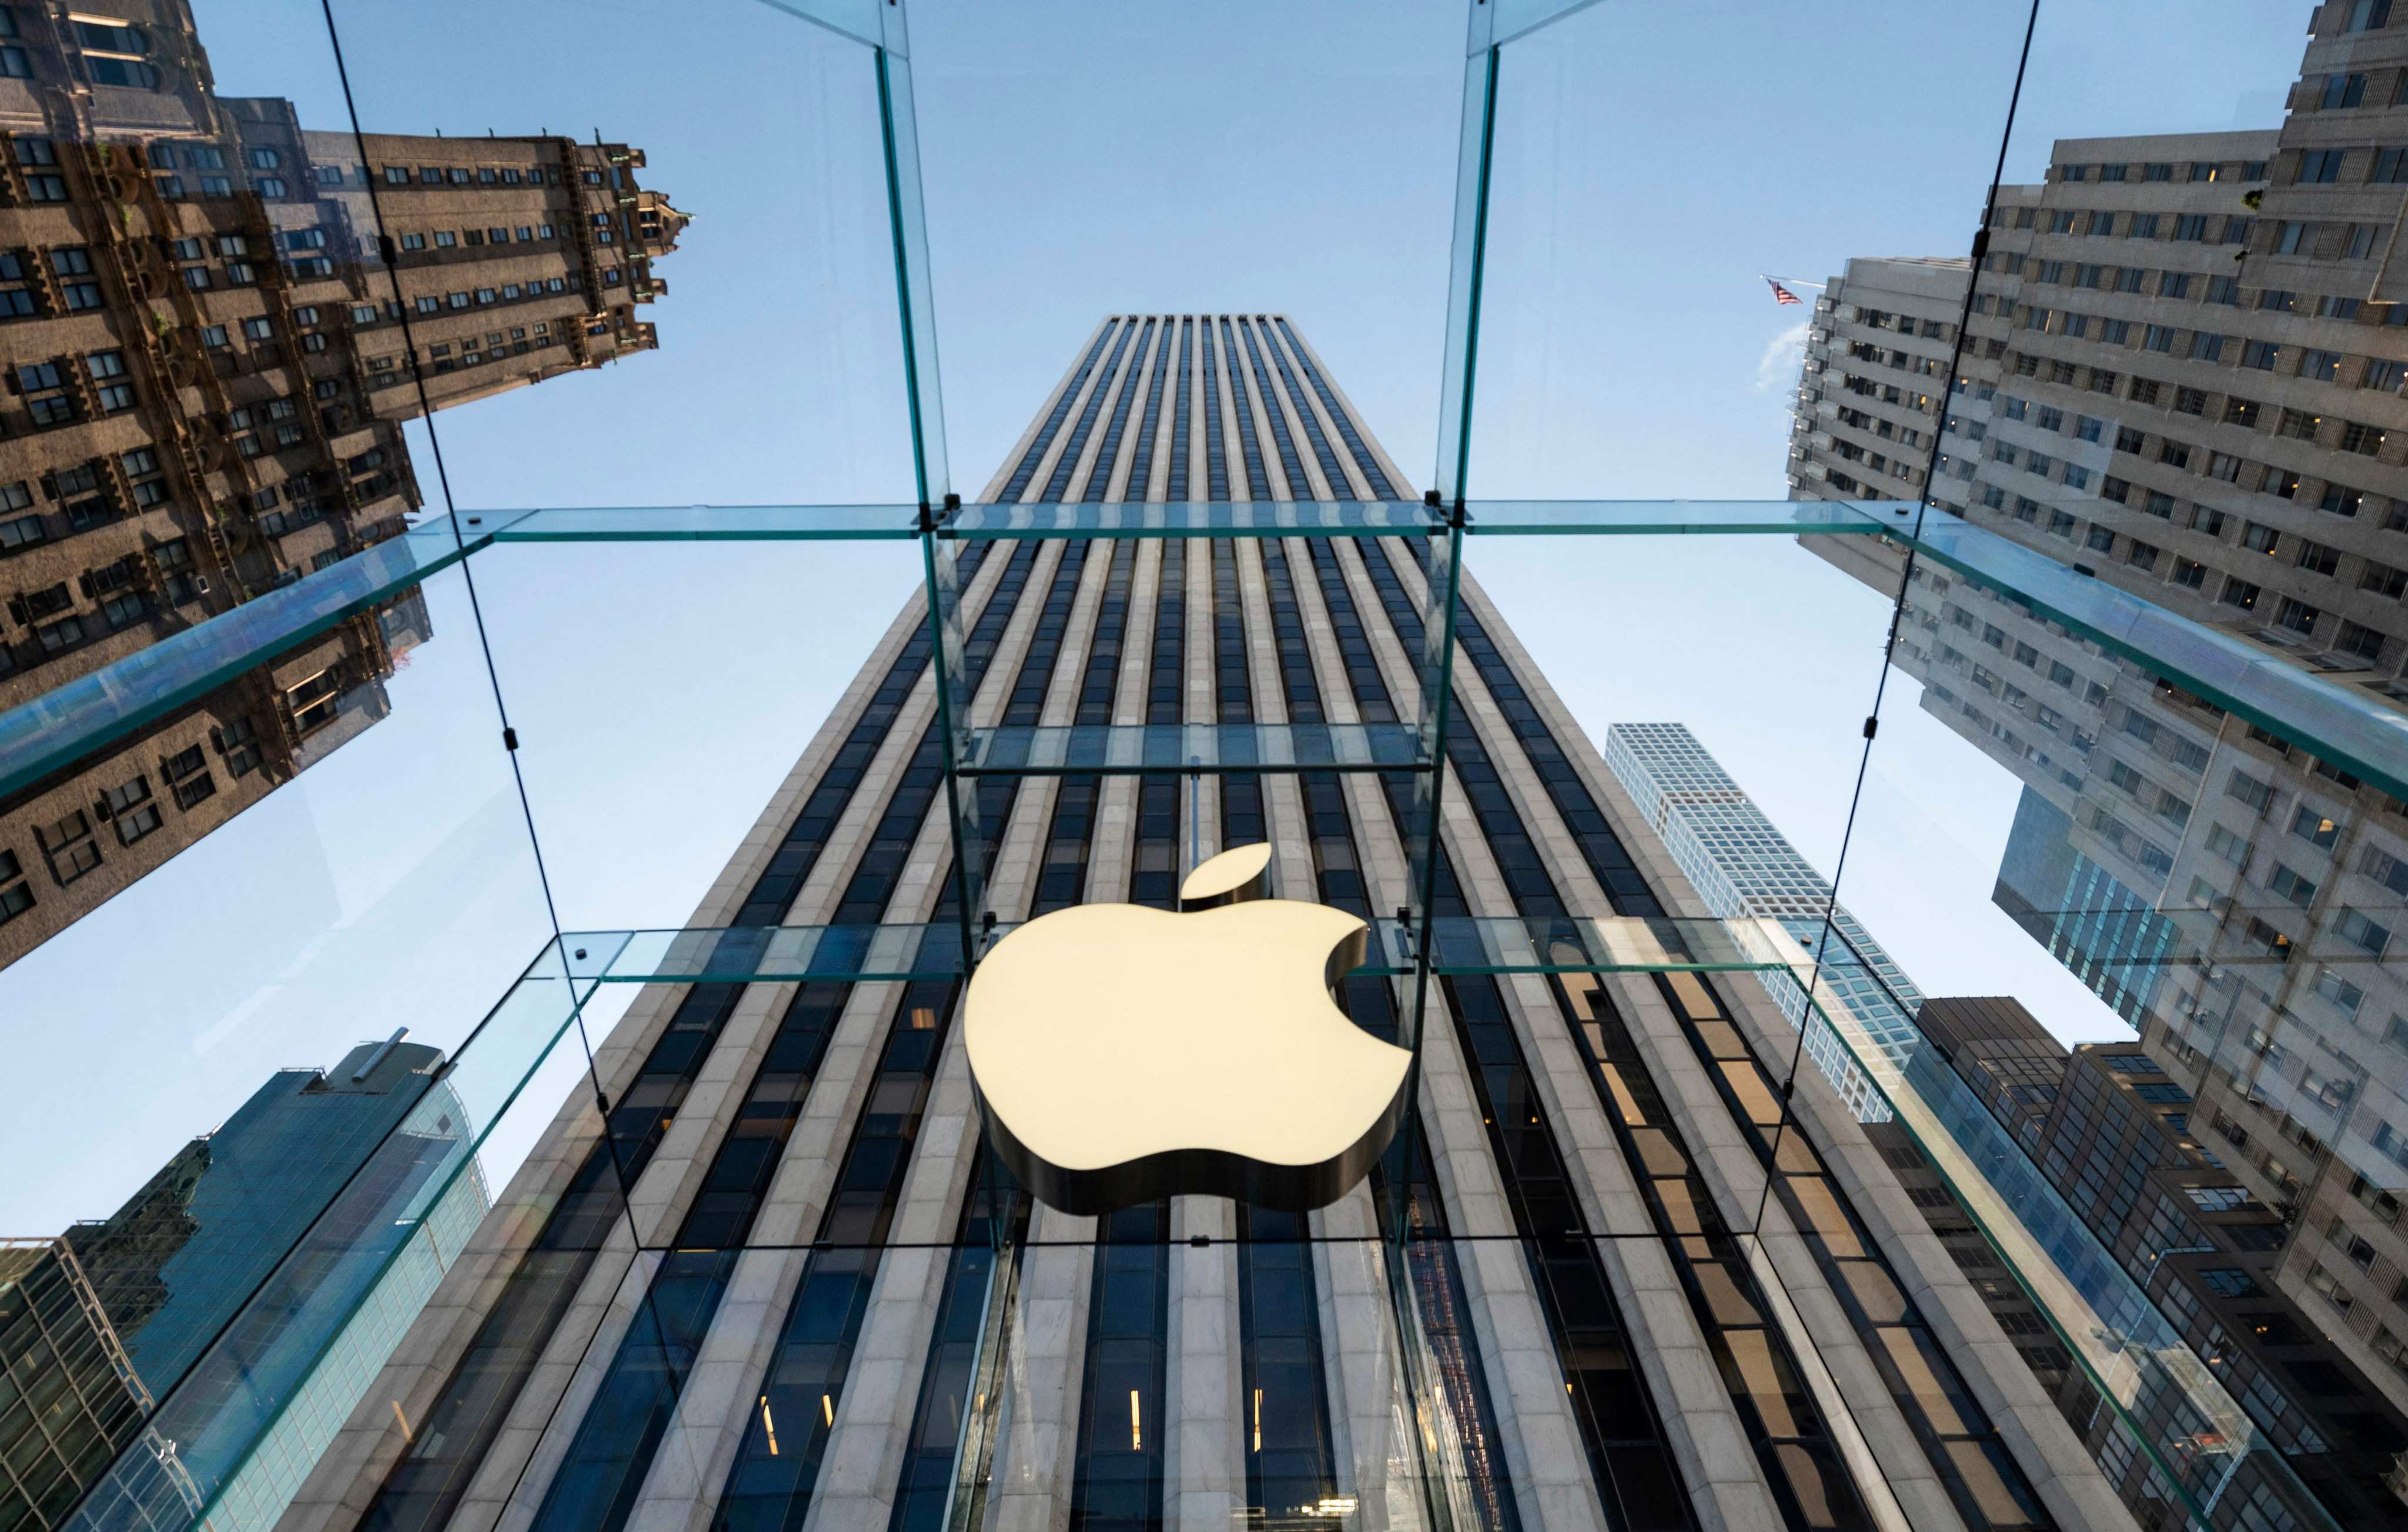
216, 322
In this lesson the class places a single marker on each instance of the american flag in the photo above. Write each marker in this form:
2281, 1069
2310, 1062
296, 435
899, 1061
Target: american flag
1781, 294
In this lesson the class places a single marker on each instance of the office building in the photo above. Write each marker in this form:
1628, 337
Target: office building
839, 1316
1743, 867
209, 362
2183, 377
213, 1331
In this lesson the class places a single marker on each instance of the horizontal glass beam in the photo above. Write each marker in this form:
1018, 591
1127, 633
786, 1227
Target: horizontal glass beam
855, 18
693, 524
1191, 519
1462, 945
1590, 944
1185, 519
63, 725
1661, 518
1123, 749
1512, 19
734, 954
2272, 692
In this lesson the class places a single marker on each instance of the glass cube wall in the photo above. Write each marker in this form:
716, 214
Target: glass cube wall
1872, 797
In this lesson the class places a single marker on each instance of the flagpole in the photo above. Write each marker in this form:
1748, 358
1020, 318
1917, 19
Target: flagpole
1791, 281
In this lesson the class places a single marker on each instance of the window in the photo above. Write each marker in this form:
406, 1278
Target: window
131, 808
2341, 500
239, 745
2368, 15
2295, 614
2288, 884
16, 895
2317, 558
2249, 790
2355, 928
2217, 1200
2317, 167
2342, 92
2260, 354
2224, 290
68, 844
2324, 366
445, 240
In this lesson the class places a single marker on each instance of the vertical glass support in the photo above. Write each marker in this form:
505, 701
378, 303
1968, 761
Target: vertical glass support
1474, 152
941, 567
898, 122
1417, 1365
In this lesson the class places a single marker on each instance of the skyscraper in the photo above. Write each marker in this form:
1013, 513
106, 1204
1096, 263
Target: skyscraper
207, 365
1743, 866
820, 1305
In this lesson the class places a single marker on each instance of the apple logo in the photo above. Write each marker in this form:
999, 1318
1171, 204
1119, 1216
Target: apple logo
1123, 1054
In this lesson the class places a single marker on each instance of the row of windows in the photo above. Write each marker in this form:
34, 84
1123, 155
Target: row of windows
2103, 222
480, 297
435, 175
495, 235
2198, 170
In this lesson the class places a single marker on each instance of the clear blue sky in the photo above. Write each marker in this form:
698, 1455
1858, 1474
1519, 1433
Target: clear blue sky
1082, 159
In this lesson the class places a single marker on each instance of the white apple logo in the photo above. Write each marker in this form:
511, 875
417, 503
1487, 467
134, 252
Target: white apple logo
1124, 1053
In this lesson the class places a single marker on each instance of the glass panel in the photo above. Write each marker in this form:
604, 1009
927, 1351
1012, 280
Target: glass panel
186, 955
625, 284
431, 1140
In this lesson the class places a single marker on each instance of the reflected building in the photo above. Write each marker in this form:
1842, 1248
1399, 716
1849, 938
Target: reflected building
2183, 377
1744, 868
208, 359
2113, 1132
231, 1286
842, 1315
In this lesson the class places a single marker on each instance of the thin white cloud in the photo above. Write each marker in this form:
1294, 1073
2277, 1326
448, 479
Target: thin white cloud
1783, 355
